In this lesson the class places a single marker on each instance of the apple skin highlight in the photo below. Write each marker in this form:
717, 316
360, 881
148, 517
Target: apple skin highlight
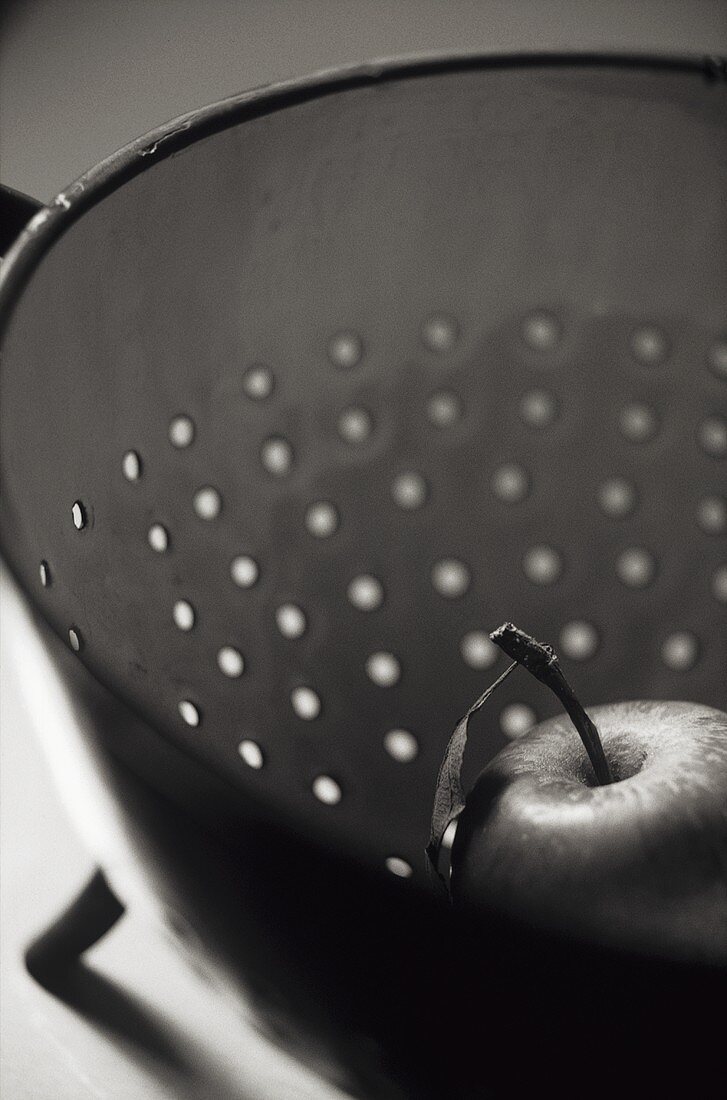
639, 864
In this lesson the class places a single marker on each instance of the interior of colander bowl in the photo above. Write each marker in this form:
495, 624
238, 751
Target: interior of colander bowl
298, 410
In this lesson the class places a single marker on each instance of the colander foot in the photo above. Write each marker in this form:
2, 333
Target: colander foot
89, 917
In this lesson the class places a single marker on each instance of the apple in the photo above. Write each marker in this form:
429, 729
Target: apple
638, 863
618, 838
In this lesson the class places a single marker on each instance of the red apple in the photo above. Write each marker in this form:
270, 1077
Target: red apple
640, 862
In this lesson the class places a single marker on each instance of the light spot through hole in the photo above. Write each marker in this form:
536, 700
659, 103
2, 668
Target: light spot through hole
579, 640
230, 662
276, 456
291, 620
75, 639
131, 466
510, 483
383, 669
207, 502
321, 519
616, 497
649, 345
78, 514
444, 408
258, 382
401, 745
538, 408
251, 753
183, 615
409, 490
366, 592
712, 436
638, 423
181, 431
439, 332
244, 571
398, 866
712, 515
345, 350
306, 703
477, 650
516, 719
45, 574
158, 538
636, 567
541, 331
542, 564
450, 578
355, 425
189, 712
680, 651
327, 790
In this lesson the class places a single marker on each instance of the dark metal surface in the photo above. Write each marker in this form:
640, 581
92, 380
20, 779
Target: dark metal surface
486, 231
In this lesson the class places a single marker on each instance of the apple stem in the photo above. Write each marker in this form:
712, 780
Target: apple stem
541, 661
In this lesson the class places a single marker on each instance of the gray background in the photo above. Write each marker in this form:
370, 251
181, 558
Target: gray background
78, 79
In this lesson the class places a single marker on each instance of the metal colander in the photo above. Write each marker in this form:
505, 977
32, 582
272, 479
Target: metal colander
305, 393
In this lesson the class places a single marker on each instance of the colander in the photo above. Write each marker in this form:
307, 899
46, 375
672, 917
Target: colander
304, 393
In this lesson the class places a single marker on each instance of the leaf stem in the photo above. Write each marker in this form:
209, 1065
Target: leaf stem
541, 661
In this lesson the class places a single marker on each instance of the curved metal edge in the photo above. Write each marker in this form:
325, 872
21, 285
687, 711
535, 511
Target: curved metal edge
52, 220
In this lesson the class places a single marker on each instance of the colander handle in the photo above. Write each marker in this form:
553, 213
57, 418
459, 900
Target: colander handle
16, 210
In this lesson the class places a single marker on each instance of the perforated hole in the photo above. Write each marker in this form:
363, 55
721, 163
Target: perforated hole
355, 425
45, 574
230, 662
291, 620
449, 834
131, 466
327, 790
450, 578
158, 538
719, 584
306, 703
75, 639
542, 564
649, 345
321, 519
398, 866
510, 483
252, 754
616, 498
183, 615
477, 650
258, 382
366, 592
638, 423
712, 515
383, 669
516, 719
579, 640
189, 712
409, 490
79, 516
541, 331
538, 408
276, 455
181, 431
207, 503
444, 408
680, 651
717, 358
712, 436
244, 571
636, 567
401, 746
439, 332
345, 350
